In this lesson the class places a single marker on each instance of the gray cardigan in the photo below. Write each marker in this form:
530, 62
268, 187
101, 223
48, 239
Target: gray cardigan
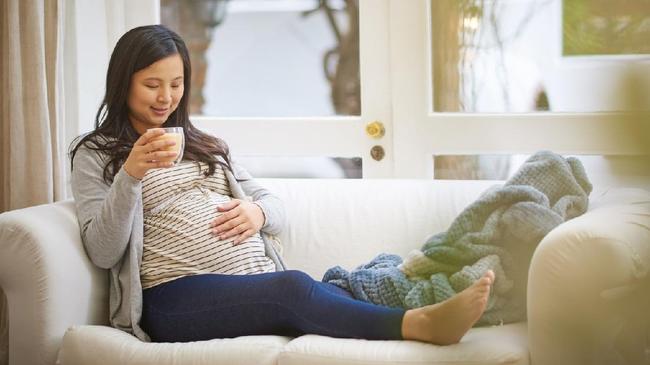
111, 223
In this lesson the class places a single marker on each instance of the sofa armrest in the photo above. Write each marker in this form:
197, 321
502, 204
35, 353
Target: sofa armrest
49, 282
589, 288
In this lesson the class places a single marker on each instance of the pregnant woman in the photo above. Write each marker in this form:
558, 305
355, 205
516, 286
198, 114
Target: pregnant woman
187, 244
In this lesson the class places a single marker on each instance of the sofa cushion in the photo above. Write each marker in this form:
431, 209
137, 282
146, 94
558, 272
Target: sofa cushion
486, 345
103, 345
349, 222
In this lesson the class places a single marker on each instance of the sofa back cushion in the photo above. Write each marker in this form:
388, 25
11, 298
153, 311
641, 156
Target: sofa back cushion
348, 222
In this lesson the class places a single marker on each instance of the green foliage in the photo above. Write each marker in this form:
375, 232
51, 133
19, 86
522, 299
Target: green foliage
597, 27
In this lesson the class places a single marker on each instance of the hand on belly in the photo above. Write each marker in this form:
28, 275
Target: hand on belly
237, 218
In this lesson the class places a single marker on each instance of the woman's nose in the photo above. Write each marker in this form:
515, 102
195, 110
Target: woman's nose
164, 95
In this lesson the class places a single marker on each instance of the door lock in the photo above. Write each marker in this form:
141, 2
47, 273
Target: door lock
377, 153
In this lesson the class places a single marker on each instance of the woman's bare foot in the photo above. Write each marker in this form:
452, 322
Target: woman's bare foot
447, 322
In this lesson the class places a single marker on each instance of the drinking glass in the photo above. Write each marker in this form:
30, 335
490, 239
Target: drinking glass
173, 134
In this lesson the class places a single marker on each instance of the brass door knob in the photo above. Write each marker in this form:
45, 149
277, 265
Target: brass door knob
375, 129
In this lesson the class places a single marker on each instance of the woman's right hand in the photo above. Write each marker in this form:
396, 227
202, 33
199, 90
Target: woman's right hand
147, 154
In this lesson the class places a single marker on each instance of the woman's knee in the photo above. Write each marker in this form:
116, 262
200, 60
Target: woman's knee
294, 278
295, 284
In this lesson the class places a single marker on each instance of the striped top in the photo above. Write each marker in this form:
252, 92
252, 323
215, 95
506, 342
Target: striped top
179, 203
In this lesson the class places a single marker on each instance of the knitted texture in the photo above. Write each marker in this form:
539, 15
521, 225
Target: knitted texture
498, 232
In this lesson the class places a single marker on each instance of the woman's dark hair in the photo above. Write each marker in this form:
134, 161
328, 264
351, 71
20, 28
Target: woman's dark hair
114, 134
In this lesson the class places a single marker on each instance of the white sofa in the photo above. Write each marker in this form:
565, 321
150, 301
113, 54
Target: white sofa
586, 280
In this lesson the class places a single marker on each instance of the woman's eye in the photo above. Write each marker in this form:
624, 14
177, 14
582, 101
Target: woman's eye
176, 86
151, 86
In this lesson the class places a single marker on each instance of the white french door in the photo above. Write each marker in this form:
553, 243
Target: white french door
396, 90
333, 136
419, 132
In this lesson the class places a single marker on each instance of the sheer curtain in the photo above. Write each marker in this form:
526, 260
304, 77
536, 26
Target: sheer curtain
32, 138
31, 112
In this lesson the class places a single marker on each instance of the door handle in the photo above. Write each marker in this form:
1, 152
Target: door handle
375, 129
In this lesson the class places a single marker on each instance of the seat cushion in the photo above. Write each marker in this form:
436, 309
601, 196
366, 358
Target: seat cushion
488, 345
102, 345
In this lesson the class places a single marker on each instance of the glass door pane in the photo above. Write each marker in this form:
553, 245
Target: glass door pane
521, 56
270, 58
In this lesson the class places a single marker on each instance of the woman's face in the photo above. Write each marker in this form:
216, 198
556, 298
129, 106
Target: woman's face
155, 92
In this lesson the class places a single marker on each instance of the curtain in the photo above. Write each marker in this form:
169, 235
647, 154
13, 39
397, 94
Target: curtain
4, 330
32, 154
32, 159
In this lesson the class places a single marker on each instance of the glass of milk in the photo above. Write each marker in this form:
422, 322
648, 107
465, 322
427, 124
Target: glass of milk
174, 134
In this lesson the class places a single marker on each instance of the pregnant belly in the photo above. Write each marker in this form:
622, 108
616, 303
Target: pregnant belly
178, 241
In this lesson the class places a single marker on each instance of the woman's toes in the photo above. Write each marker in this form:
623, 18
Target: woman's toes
490, 275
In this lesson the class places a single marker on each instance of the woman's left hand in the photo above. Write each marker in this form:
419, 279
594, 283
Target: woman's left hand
240, 219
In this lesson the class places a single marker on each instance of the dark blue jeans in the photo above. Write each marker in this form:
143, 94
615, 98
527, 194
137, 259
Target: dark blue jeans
287, 303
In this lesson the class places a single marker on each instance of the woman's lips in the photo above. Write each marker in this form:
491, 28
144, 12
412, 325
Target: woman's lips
159, 112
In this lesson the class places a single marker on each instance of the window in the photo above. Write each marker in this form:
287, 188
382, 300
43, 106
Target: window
502, 56
253, 58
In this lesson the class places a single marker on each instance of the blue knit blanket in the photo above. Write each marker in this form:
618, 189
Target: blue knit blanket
499, 232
